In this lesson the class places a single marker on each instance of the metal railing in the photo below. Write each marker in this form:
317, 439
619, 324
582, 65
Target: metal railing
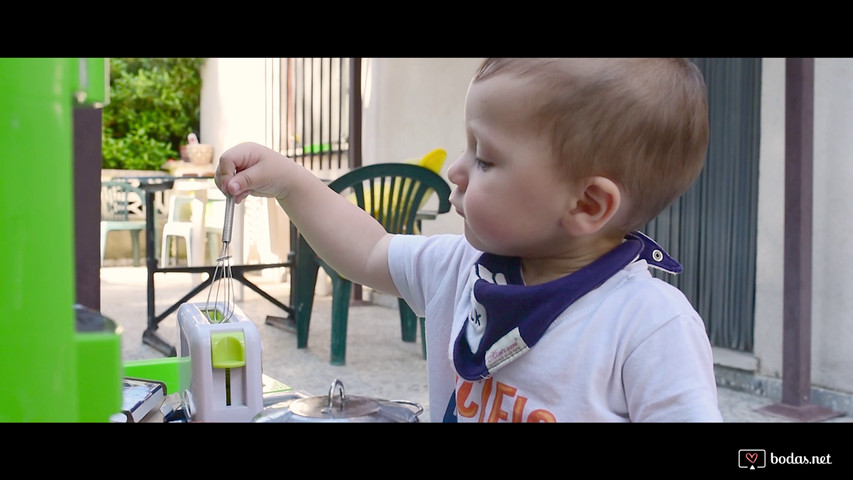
321, 113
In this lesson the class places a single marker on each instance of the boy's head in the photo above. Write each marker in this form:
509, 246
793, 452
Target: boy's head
640, 122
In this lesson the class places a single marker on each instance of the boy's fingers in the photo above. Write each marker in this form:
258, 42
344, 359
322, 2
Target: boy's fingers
239, 184
224, 172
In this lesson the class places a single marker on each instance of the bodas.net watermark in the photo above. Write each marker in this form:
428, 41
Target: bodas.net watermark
754, 458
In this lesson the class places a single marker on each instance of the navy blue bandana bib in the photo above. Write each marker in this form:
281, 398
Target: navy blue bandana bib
507, 318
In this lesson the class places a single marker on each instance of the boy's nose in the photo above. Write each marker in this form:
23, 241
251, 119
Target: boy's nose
456, 173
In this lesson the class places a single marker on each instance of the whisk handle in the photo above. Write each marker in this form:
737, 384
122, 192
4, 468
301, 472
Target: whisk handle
229, 219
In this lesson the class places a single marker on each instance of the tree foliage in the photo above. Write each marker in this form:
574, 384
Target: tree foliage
154, 105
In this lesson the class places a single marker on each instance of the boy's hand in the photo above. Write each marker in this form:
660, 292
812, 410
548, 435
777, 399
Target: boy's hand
345, 236
251, 169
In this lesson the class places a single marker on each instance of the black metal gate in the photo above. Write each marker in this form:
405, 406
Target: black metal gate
320, 114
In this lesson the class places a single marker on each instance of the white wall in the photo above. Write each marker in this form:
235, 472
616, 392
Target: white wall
233, 102
832, 255
771, 220
412, 106
235, 109
832, 312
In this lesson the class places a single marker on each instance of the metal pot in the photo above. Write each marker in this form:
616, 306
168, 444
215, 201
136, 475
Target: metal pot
338, 407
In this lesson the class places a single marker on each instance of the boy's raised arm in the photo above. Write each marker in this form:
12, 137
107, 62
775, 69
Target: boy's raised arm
341, 233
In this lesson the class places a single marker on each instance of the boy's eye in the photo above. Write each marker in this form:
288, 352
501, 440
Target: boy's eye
481, 164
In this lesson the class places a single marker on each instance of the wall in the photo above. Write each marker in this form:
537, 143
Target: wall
771, 217
233, 102
412, 106
235, 109
832, 330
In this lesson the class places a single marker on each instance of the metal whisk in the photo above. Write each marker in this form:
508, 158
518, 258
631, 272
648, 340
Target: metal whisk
221, 286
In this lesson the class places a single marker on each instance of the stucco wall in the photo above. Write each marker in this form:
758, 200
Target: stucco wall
771, 218
832, 258
235, 109
233, 102
412, 106
832, 313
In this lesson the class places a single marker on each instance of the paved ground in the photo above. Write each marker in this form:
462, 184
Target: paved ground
379, 364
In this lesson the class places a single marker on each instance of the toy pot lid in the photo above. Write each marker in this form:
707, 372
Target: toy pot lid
339, 407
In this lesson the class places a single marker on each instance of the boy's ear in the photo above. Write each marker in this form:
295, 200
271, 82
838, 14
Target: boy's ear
598, 199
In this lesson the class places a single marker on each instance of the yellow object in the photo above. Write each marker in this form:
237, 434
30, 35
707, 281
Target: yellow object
227, 349
433, 160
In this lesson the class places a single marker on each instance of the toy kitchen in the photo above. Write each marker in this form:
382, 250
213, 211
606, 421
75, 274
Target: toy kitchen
61, 361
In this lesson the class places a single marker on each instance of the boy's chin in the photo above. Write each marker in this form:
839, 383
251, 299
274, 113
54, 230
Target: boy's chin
474, 240
485, 247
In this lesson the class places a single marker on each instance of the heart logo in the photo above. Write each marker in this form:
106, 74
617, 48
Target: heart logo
752, 457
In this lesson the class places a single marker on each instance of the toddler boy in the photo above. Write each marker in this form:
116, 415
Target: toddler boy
545, 309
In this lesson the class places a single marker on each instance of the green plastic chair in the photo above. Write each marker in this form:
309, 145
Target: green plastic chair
392, 193
122, 208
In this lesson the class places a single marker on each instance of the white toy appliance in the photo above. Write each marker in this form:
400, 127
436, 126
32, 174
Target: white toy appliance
225, 358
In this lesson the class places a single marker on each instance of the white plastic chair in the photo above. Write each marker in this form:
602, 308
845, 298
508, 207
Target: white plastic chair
214, 218
179, 224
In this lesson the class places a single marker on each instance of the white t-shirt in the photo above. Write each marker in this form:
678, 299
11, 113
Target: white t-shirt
633, 349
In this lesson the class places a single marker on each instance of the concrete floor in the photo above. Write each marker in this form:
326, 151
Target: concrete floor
378, 363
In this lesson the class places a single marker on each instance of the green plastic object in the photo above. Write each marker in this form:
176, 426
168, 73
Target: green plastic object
227, 349
175, 372
39, 377
98, 341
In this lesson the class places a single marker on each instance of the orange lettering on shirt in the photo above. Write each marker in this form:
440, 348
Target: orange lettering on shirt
501, 391
541, 416
468, 408
518, 409
462, 393
484, 397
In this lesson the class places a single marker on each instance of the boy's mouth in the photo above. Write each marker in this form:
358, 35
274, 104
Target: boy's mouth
453, 199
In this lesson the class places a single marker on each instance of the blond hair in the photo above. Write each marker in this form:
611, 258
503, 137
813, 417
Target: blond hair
641, 122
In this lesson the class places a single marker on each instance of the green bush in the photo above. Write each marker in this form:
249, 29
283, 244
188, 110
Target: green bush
154, 105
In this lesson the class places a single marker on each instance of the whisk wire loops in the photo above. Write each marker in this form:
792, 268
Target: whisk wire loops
221, 287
